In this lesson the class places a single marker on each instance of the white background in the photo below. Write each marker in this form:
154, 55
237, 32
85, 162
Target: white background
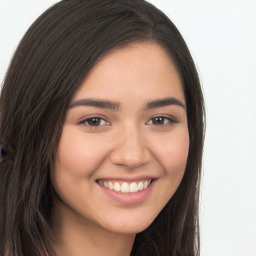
222, 38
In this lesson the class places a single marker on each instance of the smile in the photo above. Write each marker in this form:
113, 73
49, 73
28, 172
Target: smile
125, 187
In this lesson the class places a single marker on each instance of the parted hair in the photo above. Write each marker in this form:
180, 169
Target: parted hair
50, 63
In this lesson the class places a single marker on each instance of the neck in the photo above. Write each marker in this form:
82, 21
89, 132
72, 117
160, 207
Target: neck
73, 235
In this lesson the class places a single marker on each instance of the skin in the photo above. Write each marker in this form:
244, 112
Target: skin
126, 142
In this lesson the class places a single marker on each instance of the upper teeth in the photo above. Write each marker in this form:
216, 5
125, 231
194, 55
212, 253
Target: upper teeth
125, 187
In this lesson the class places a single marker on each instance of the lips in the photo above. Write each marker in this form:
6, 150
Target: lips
124, 186
127, 190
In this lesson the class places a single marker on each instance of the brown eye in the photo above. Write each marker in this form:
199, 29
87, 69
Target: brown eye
158, 120
161, 120
95, 121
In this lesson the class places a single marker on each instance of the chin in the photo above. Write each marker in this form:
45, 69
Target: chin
129, 224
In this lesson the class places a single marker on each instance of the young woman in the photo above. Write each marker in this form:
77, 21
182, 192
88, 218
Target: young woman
101, 126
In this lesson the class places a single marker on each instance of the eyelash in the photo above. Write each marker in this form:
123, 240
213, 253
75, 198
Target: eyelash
95, 118
168, 121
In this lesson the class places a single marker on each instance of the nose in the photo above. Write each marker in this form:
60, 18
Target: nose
130, 150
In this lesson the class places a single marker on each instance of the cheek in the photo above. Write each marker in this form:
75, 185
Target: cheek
172, 153
79, 153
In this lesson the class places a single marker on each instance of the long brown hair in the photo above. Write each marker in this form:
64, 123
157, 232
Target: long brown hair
50, 63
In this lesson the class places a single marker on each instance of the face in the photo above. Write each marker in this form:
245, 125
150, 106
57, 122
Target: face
124, 143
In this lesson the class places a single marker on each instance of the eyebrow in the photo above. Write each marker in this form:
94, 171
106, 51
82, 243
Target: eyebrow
106, 104
97, 103
163, 103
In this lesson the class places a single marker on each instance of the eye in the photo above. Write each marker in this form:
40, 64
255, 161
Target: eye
94, 121
161, 120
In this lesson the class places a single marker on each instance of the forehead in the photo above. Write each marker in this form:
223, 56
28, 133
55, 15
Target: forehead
141, 71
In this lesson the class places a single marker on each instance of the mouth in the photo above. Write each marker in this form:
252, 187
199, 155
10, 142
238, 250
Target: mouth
124, 186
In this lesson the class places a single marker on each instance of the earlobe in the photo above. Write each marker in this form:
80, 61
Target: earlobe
6, 150
2, 153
